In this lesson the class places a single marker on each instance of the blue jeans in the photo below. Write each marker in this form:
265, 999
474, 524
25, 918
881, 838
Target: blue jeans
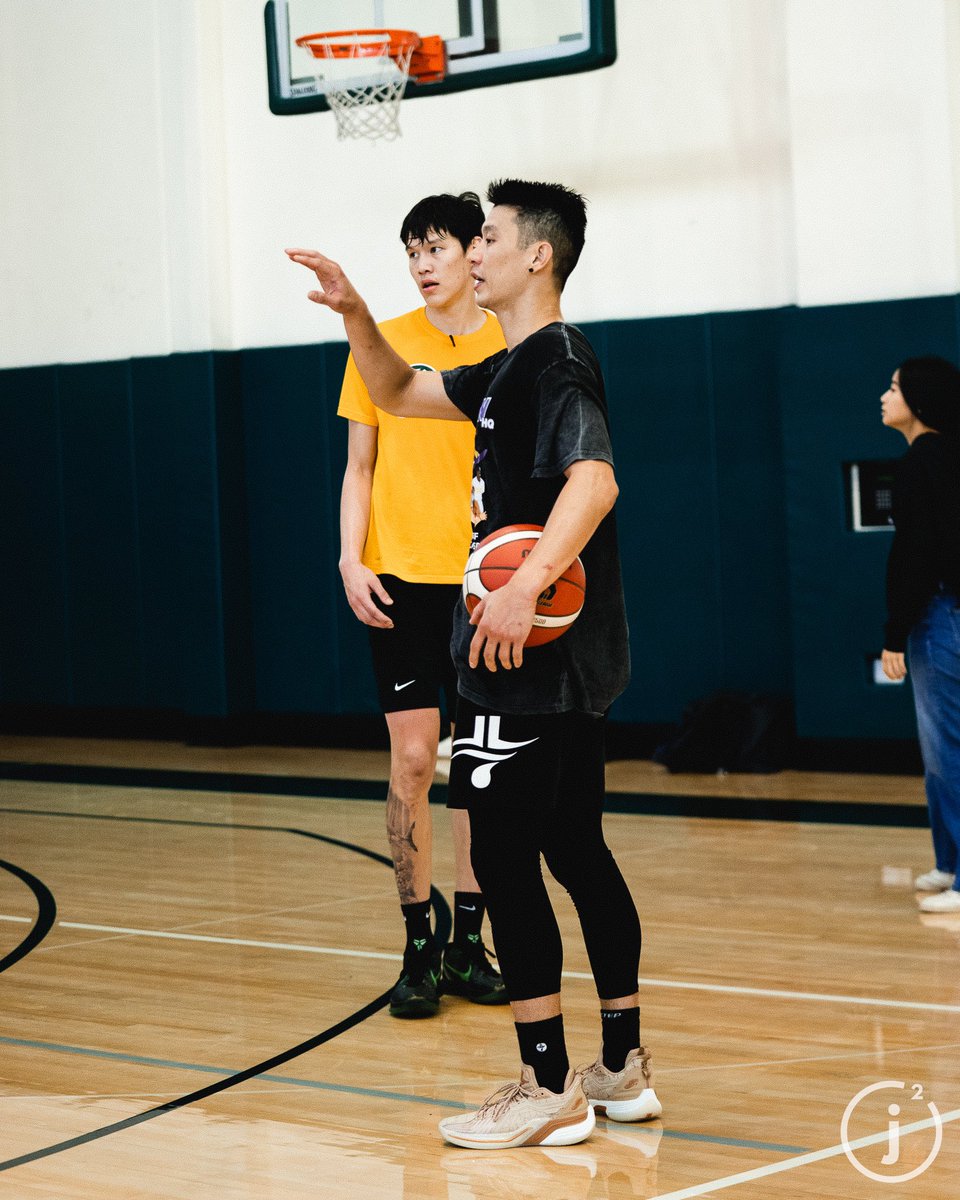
934, 649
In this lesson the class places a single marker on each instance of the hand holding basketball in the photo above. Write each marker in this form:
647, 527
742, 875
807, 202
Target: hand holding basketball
510, 617
503, 620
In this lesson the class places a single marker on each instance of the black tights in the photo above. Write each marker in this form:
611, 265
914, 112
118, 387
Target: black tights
534, 785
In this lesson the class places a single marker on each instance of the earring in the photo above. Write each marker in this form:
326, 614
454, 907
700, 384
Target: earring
530, 269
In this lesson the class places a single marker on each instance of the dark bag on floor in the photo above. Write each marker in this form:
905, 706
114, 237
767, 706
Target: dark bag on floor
731, 731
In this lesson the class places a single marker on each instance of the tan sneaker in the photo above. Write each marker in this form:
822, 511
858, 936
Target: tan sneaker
524, 1114
625, 1095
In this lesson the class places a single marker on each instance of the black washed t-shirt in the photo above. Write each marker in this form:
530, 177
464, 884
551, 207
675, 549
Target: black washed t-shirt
537, 409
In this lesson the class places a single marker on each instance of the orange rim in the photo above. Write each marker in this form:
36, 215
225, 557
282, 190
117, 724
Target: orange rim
325, 45
428, 55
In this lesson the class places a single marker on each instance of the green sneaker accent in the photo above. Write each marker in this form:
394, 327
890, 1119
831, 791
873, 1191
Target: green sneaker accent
450, 969
415, 998
468, 972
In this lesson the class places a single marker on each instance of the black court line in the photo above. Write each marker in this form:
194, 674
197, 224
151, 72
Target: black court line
822, 812
195, 781
202, 1093
46, 915
741, 808
443, 919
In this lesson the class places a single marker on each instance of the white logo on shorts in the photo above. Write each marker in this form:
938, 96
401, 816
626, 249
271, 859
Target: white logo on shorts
491, 749
398, 687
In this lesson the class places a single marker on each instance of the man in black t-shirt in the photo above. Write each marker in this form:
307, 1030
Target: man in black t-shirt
528, 760
538, 409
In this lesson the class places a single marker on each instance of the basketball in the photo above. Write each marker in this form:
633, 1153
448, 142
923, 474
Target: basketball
498, 556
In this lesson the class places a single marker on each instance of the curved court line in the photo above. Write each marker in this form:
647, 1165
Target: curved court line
46, 915
441, 908
202, 1093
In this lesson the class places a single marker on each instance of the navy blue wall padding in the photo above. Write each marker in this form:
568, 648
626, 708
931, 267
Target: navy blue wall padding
309, 649
123, 539
34, 621
697, 441
102, 568
661, 417
835, 363
169, 526
751, 520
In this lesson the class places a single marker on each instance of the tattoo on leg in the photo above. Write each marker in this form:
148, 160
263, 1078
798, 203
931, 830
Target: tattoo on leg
402, 846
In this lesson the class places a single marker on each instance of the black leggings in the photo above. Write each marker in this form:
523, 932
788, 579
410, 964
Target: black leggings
535, 785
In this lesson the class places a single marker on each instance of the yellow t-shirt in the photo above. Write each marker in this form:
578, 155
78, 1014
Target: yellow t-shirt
420, 504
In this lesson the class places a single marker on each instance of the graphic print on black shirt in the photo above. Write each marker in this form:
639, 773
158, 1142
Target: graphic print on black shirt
538, 409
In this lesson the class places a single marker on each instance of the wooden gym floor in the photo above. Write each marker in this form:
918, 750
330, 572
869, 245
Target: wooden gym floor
196, 944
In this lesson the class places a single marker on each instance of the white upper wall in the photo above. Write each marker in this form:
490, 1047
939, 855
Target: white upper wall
873, 144
739, 154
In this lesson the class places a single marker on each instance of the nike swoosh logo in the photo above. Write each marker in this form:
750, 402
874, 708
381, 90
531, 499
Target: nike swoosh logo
468, 908
398, 687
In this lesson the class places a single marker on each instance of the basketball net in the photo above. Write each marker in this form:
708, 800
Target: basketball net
367, 104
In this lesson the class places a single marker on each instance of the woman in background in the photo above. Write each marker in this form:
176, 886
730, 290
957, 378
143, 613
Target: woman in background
923, 595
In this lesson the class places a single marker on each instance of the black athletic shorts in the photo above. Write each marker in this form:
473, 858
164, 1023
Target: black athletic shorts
533, 764
412, 662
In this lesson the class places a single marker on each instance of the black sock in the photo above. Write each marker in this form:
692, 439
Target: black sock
419, 947
621, 1034
468, 910
542, 1047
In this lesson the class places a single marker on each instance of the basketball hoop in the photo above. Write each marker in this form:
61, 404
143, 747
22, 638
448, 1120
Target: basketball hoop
368, 72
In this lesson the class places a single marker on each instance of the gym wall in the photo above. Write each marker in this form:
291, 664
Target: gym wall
773, 224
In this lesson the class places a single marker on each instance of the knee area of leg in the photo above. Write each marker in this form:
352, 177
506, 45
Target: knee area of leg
412, 767
493, 861
572, 864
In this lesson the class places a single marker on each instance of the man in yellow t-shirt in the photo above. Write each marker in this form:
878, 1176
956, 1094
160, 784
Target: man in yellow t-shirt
404, 536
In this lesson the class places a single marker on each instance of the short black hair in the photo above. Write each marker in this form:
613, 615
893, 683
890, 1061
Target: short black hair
459, 216
547, 212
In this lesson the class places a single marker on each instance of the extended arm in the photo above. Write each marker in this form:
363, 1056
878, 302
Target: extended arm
504, 617
393, 385
359, 582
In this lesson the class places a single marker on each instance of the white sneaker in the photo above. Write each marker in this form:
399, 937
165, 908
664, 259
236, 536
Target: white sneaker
934, 881
943, 902
524, 1114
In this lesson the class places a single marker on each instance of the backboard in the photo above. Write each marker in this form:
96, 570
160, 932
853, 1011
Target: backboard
487, 41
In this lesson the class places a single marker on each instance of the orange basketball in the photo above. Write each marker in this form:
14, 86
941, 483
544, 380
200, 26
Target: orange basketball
498, 556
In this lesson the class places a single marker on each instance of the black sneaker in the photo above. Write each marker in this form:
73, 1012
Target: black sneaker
417, 997
469, 972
